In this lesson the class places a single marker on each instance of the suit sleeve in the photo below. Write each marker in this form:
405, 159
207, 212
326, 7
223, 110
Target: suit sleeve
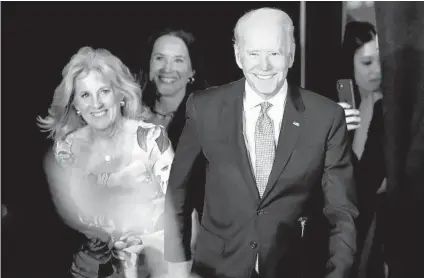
177, 206
339, 199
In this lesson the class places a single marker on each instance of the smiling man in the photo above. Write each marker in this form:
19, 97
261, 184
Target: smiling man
270, 147
264, 48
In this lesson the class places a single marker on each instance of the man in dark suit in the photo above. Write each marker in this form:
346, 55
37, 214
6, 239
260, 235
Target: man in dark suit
269, 146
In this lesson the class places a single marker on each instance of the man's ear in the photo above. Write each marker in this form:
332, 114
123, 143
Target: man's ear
292, 54
237, 55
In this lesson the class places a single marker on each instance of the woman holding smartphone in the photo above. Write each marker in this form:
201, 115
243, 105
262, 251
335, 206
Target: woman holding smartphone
361, 64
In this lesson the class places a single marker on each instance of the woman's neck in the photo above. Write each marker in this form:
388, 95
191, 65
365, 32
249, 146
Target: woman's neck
108, 133
169, 104
364, 93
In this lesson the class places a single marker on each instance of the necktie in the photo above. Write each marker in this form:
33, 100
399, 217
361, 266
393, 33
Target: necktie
264, 147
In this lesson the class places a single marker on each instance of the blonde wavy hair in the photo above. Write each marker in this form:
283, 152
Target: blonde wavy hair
62, 117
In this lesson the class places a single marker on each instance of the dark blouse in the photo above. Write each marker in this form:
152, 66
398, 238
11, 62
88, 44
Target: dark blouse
370, 170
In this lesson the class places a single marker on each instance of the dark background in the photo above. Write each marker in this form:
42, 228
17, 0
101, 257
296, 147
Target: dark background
38, 40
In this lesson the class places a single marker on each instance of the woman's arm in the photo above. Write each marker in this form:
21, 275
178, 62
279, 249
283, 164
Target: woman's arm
58, 176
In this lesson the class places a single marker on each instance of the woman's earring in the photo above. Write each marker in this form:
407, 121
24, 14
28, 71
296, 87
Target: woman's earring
191, 80
122, 103
78, 113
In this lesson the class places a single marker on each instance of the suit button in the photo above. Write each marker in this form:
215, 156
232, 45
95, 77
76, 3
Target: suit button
253, 245
260, 212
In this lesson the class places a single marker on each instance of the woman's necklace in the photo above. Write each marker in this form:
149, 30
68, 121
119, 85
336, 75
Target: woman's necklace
164, 114
110, 162
110, 151
162, 108
163, 118
107, 157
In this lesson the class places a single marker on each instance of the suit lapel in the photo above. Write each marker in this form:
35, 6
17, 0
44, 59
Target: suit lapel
289, 134
232, 120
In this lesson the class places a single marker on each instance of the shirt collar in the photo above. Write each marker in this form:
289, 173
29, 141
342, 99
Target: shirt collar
252, 99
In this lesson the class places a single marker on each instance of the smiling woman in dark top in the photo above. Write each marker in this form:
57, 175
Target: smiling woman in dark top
172, 70
361, 63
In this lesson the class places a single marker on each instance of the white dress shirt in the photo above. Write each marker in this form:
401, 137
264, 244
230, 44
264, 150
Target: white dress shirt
251, 111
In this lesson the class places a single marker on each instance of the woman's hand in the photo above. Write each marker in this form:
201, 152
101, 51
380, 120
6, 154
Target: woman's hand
135, 242
127, 249
129, 243
352, 116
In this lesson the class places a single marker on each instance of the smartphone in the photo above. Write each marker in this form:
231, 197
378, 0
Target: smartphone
345, 92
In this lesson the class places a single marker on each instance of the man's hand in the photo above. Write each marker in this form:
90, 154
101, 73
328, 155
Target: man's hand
352, 116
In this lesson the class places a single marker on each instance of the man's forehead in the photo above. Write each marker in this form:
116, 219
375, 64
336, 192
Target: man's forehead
267, 23
259, 25
263, 36
267, 16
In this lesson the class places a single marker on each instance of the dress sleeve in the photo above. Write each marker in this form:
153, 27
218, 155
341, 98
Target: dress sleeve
161, 154
63, 153
57, 166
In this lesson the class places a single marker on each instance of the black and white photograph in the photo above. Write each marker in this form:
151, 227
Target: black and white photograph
212, 139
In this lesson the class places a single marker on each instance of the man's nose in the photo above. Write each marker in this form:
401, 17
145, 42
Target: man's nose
265, 65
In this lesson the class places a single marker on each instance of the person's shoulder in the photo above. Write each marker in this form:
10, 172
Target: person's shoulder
320, 109
64, 148
142, 128
148, 132
318, 101
62, 151
146, 113
219, 92
135, 124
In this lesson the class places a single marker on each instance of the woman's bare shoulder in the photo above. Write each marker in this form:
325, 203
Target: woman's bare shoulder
67, 149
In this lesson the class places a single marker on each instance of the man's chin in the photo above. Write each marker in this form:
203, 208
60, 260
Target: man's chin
265, 91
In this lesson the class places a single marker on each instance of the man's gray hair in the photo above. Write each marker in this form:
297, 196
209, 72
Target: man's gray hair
287, 23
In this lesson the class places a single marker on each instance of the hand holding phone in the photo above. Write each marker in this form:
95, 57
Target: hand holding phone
347, 102
345, 92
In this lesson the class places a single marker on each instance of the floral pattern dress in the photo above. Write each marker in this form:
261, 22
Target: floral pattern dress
125, 199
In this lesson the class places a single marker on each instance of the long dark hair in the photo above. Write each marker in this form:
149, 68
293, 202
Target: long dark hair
150, 93
357, 33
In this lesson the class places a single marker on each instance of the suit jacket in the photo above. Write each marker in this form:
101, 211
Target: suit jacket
313, 153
